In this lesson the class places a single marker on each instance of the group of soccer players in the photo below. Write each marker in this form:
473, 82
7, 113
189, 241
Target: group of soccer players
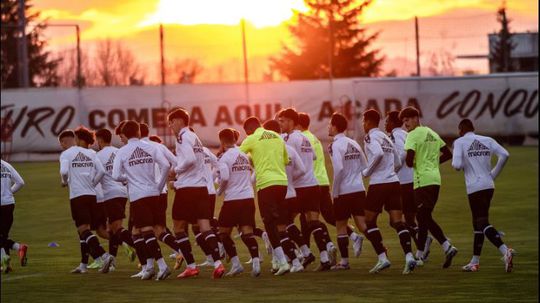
281, 162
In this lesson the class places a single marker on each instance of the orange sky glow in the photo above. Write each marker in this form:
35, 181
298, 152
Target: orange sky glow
208, 30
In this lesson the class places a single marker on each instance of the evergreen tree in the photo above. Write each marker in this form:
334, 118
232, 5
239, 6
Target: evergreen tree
503, 47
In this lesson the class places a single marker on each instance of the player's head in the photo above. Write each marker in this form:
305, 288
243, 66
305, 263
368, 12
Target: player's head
371, 119
145, 130
410, 117
272, 125
178, 119
392, 121
465, 126
338, 124
236, 134
103, 138
155, 138
66, 139
226, 137
288, 119
118, 131
304, 120
131, 130
84, 137
251, 124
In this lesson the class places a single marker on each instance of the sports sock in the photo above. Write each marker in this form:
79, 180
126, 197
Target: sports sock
353, 236
343, 244
382, 256
287, 245
478, 242
15, 246
228, 244
185, 248
475, 259
152, 245
305, 250
251, 244
306, 229
404, 237
161, 263
140, 248
93, 244
446, 245
324, 257
168, 239
258, 232
318, 234
296, 235
374, 236
493, 236
235, 261
503, 249
211, 244
125, 236
280, 255
113, 243
85, 253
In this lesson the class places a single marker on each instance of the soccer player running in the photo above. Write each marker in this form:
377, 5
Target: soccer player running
115, 196
319, 168
269, 155
11, 183
472, 154
234, 171
348, 191
81, 170
135, 164
191, 203
398, 135
383, 162
425, 152
307, 190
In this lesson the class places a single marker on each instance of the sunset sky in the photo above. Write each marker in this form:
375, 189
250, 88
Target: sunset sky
208, 30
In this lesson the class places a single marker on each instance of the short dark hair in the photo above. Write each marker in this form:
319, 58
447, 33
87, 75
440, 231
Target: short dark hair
408, 112
466, 125
289, 113
155, 138
272, 125
118, 128
252, 122
66, 133
226, 135
339, 121
144, 129
393, 117
179, 113
372, 116
236, 134
130, 129
104, 134
83, 133
304, 120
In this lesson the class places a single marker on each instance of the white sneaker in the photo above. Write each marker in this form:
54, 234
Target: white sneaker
509, 259
275, 265
148, 274
380, 266
267, 244
163, 274
332, 255
108, 260
297, 268
206, 263
79, 270
255, 269
235, 270
471, 267
138, 275
357, 246
410, 265
283, 269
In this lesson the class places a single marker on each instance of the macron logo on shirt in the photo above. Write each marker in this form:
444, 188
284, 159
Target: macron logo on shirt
477, 149
5, 172
306, 146
109, 164
430, 138
240, 164
352, 153
82, 160
386, 146
197, 147
267, 136
139, 156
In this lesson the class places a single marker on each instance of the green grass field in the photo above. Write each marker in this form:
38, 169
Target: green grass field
42, 215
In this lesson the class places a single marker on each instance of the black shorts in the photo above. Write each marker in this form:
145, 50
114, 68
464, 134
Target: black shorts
287, 205
142, 211
348, 205
480, 202
269, 200
191, 204
159, 210
81, 209
426, 196
407, 198
386, 194
293, 207
237, 213
99, 216
309, 198
6, 216
115, 209
327, 207
212, 203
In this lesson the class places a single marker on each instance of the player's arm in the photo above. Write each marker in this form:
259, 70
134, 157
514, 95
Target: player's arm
167, 153
17, 180
118, 168
247, 145
64, 170
100, 171
502, 157
337, 164
299, 169
186, 157
224, 176
397, 159
457, 156
285, 153
446, 154
410, 148
164, 166
377, 152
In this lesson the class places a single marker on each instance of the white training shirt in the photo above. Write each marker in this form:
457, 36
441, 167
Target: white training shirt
405, 173
383, 159
294, 169
302, 146
167, 154
82, 170
135, 163
11, 183
348, 161
472, 153
234, 172
210, 164
189, 170
111, 188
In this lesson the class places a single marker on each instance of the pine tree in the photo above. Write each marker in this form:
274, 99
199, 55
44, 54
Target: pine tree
330, 43
502, 49
42, 68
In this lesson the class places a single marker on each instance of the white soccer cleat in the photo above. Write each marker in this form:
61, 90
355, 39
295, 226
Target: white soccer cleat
108, 260
256, 270
283, 269
163, 274
509, 260
357, 246
275, 265
297, 268
267, 244
138, 275
172, 256
410, 265
148, 274
380, 266
235, 270
341, 266
332, 255
98, 263
79, 270
471, 267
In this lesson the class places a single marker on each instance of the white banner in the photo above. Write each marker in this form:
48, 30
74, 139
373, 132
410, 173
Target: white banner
498, 104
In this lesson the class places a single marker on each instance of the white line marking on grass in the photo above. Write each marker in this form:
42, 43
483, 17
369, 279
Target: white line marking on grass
20, 277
